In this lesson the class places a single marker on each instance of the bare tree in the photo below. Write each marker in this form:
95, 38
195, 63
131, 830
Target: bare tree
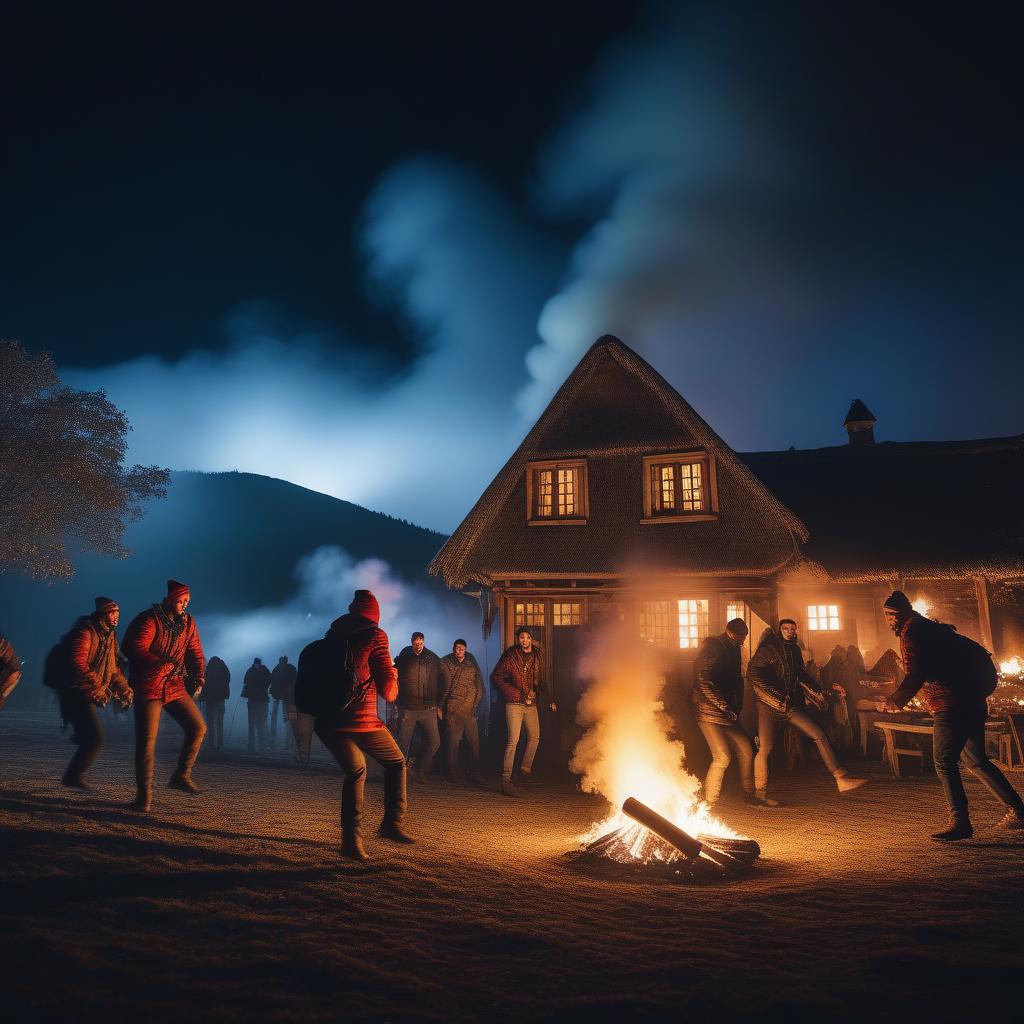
63, 481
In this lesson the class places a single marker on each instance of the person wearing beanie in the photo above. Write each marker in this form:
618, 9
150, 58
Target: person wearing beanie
779, 681
355, 731
166, 670
85, 669
954, 688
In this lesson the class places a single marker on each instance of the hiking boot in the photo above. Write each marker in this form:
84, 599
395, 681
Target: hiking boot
352, 848
183, 781
1011, 821
958, 828
143, 802
393, 831
507, 789
526, 779
847, 783
75, 782
759, 798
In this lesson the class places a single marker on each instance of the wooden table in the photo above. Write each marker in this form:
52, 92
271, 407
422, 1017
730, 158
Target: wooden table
927, 728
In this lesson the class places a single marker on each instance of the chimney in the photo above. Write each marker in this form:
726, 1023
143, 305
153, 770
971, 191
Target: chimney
860, 423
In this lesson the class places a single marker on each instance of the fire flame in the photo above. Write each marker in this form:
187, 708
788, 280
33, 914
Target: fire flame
921, 605
1013, 667
626, 750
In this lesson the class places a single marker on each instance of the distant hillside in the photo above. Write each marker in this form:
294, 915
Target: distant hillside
235, 538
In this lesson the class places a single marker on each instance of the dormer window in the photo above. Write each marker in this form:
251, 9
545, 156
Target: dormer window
680, 486
556, 492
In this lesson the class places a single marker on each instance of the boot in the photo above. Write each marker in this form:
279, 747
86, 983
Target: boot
1011, 821
526, 778
759, 798
958, 828
352, 846
391, 828
507, 788
183, 781
143, 802
74, 781
846, 783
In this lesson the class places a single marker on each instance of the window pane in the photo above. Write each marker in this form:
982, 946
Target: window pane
566, 613
693, 622
824, 618
654, 622
544, 492
529, 613
668, 487
691, 487
567, 490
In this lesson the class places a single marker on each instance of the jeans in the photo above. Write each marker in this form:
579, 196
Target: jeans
80, 713
407, 722
349, 750
516, 717
257, 725
800, 720
215, 722
147, 725
457, 725
722, 741
964, 732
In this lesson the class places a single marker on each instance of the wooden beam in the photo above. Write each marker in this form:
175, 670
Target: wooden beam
984, 618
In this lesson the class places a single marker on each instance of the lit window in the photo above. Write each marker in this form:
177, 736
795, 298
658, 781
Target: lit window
566, 613
735, 610
693, 623
529, 613
823, 618
679, 486
557, 491
654, 622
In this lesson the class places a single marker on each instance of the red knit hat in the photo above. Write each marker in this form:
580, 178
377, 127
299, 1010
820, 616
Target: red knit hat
106, 604
365, 604
176, 589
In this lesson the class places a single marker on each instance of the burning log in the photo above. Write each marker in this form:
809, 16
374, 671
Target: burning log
663, 828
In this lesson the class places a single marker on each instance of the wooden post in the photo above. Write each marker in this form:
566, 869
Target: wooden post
984, 618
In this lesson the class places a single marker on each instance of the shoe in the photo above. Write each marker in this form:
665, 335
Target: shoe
352, 848
847, 783
75, 782
393, 831
527, 779
1011, 821
183, 782
957, 830
143, 803
759, 798
507, 789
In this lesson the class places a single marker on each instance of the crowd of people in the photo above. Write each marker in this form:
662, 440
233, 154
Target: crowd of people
161, 668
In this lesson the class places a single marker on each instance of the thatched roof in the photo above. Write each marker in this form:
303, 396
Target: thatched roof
906, 510
614, 409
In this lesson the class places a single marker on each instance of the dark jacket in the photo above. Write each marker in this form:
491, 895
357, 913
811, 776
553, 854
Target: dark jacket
218, 681
717, 694
282, 682
517, 675
925, 646
777, 671
419, 679
462, 686
256, 684
371, 665
164, 653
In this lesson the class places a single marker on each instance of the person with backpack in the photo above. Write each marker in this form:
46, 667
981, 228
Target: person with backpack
256, 693
338, 683
216, 693
85, 671
166, 662
282, 690
10, 669
955, 676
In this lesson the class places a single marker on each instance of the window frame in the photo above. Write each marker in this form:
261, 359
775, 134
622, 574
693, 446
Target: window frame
578, 518
693, 457
827, 605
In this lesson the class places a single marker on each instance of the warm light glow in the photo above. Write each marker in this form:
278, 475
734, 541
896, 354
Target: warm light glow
922, 606
1013, 667
626, 750
823, 617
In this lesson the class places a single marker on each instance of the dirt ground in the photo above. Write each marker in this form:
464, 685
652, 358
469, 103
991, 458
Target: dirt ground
234, 906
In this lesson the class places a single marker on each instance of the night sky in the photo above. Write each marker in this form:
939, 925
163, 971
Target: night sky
358, 246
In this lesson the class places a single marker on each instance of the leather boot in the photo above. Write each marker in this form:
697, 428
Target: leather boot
183, 781
143, 802
958, 828
526, 778
507, 789
391, 829
352, 846
73, 781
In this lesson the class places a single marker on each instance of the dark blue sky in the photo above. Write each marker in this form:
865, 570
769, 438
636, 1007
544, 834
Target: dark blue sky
307, 239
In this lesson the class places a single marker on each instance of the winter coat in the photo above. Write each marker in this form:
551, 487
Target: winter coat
163, 652
218, 681
256, 684
717, 694
517, 675
94, 661
372, 664
776, 672
925, 647
10, 668
462, 686
282, 682
419, 679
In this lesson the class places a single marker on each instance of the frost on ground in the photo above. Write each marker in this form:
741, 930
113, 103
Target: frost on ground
234, 905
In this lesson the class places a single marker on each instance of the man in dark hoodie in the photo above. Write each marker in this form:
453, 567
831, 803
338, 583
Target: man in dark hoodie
216, 693
256, 692
717, 699
779, 680
419, 699
357, 730
90, 674
461, 693
282, 689
956, 698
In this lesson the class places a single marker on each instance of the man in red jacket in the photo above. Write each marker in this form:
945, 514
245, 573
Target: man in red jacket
357, 730
165, 659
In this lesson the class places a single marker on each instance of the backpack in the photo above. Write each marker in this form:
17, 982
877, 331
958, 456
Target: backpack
55, 665
326, 683
969, 661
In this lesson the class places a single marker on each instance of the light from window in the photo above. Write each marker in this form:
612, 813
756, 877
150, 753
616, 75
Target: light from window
559, 492
566, 613
677, 487
544, 492
735, 610
568, 480
529, 613
693, 623
654, 622
823, 618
